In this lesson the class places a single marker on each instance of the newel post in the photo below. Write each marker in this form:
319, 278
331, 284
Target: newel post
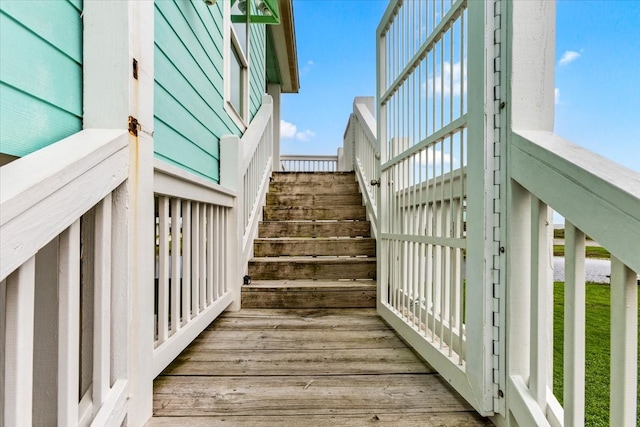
527, 76
231, 176
118, 85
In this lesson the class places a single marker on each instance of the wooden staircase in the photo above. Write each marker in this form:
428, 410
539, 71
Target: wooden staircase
314, 248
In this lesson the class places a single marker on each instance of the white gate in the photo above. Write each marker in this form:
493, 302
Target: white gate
435, 269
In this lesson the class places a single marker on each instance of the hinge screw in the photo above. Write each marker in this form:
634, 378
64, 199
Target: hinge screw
502, 250
500, 393
502, 105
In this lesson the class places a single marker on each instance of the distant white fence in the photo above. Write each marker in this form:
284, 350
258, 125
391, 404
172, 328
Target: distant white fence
309, 163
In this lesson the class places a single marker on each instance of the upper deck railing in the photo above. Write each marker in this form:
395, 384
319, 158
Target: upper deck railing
309, 163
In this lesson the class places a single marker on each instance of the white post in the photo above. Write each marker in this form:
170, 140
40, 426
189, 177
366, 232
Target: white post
624, 344
275, 90
19, 321
45, 344
526, 74
69, 319
231, 176
531, 50
118, 94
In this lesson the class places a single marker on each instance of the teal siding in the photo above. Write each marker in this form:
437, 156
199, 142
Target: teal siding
189, 108
40, 73
257, 67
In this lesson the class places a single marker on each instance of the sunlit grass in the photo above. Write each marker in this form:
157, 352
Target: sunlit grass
590, 252
598, 335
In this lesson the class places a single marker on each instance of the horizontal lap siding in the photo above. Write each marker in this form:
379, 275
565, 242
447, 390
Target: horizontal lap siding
40, 73
189, 90
257, 67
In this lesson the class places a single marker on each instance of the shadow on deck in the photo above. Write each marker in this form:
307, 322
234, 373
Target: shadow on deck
311, 367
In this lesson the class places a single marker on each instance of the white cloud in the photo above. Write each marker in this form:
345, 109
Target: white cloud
290, 131
305, 136
427, 157
556, 94
287, 130
307, 67
445, 77
568, 57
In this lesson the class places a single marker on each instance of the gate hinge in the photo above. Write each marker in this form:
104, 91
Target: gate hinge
133, 126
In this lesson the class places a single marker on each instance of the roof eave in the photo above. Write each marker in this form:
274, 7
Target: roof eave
284, 38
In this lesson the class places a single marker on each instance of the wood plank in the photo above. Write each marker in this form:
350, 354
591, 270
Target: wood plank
312, 339
314, 247
314, 229
295, 298
298, 213
313, 188
285, 199
349, 361
283, 319
307, 394
312, 268
374, 417
304, 367
309, 285
324, 177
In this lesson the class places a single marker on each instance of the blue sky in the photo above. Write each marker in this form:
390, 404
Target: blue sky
597, 74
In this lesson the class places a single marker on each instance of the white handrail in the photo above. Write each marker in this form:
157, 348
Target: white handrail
362, 154
598, 198
246, 170
586, 189
89, 165
63, 217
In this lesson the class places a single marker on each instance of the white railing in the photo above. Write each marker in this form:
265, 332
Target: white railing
309, 163
247, 169
362, 154
597, 198
193, 255
63, 329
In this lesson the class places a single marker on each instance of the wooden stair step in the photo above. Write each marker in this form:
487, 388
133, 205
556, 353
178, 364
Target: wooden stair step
318, 177
314, 188
294, 268
286, 199
309, 294
314, 247
314, 229
295, 213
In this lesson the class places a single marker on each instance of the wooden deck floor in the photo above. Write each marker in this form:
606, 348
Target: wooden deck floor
328, 367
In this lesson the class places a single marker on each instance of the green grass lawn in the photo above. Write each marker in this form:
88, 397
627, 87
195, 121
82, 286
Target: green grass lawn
597, 351
558, 233
590, 252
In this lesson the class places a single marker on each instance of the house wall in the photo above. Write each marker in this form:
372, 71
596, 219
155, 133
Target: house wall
40, 73
189, 108
257, 67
